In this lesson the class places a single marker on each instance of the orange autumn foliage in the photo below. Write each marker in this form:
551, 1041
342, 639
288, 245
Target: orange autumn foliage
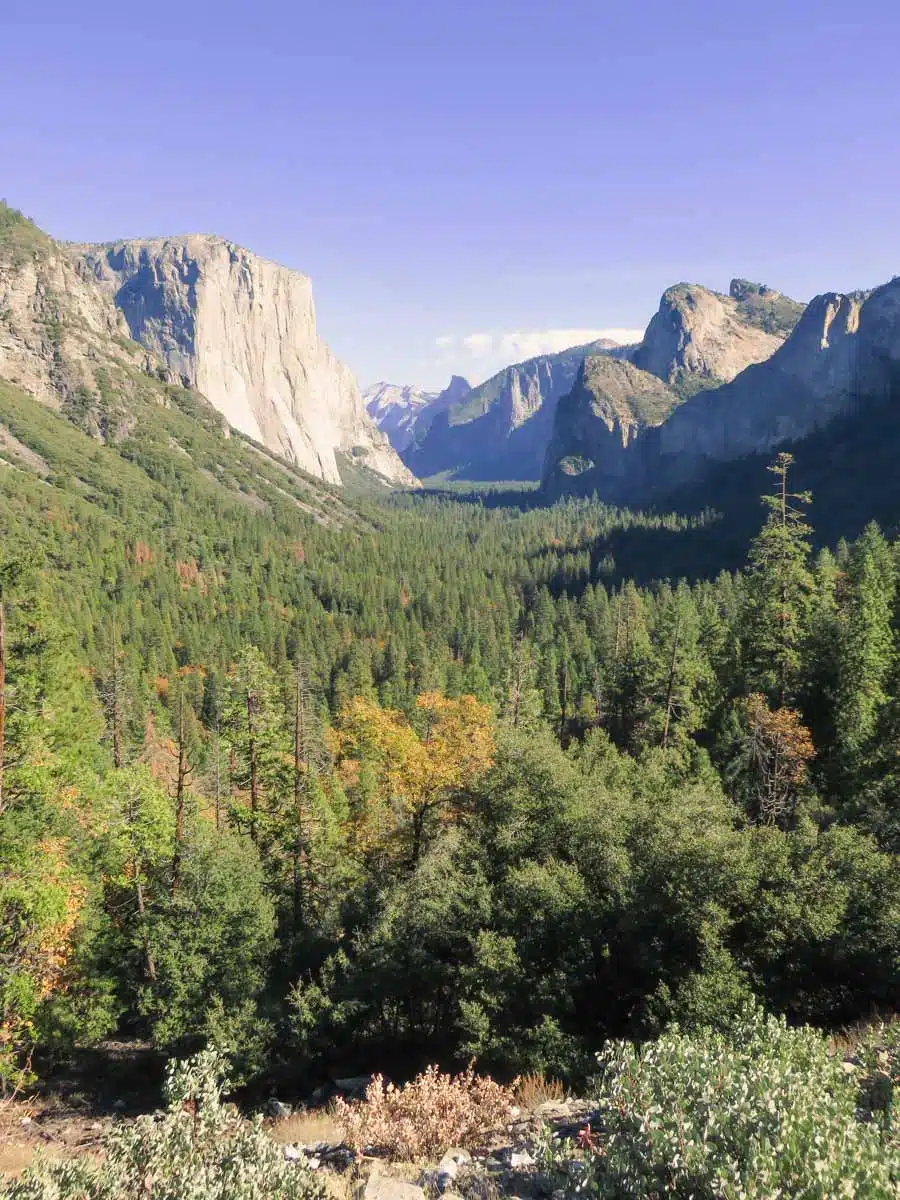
54, 943
781, 748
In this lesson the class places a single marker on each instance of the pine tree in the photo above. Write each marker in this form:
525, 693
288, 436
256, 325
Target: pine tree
779, 584
866, 652
682, 672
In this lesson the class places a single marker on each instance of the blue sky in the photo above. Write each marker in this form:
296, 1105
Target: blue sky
469, 182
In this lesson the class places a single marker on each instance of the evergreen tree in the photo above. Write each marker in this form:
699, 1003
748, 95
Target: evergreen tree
866, 652
779, 584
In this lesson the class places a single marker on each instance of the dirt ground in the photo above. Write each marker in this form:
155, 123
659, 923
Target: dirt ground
48, 1127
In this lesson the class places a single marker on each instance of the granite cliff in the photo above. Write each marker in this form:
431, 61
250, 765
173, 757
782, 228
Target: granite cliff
242, 331
61, 339
700, 339
395, 409
611, 405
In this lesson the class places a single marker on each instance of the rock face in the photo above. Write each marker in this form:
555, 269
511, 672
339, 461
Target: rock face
61, 339
843, 355
500, 429
395, 409
610, 406
844, 351
700, 338
242, 331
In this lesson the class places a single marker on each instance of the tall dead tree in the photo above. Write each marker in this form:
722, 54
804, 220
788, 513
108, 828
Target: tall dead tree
182, 775
308, 752
673, 675
2, 696
252, 713
136, 869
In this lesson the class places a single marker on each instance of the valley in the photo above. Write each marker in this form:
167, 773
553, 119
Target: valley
589, 744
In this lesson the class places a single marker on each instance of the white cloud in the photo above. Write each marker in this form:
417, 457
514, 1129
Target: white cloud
480, 355
479, 345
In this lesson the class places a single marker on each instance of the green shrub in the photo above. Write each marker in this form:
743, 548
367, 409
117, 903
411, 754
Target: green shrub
200, 1149
757, 1112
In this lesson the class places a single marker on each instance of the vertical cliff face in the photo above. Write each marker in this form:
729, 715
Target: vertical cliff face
242, 331
842, 359
844, 350
395, 409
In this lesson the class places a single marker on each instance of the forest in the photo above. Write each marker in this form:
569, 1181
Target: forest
428, 780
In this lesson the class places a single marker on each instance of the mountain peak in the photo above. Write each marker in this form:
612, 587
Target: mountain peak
700, 338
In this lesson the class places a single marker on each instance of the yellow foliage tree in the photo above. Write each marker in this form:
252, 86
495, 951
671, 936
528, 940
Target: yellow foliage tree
41, 901
406, 775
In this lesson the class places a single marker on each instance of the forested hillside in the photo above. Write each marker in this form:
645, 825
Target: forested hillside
343, 783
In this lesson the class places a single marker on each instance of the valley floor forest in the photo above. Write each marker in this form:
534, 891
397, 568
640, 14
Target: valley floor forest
427, 781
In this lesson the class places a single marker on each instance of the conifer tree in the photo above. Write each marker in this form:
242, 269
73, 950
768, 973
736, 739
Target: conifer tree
866, 651
779, 584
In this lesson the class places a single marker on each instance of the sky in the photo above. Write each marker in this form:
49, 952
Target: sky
469, 183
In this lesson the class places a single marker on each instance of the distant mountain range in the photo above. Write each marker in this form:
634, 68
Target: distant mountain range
503, 428
107, 336
840, 362
497, 430
403, 411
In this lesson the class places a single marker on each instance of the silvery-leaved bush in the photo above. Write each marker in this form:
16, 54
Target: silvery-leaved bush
199, 1149
760, 1111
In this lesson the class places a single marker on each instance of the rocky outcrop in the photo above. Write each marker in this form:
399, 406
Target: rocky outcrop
404, 413
500, 429
610, 406
699, 338
844, 351
242, 331
842, 358
61, 339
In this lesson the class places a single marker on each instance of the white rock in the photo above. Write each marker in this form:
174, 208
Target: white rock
242, 330
381, 1186
455, 1155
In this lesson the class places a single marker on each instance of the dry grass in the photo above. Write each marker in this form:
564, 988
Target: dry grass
17, 1154
847, 1040
306, 1127
535, 1089
338, 1185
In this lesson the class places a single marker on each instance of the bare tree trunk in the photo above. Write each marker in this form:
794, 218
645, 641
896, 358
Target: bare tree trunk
301, 758
218, 775
116, 708
141, 905
183, 771
670, 689
254, 766
518, 681
564, 700
2, 698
